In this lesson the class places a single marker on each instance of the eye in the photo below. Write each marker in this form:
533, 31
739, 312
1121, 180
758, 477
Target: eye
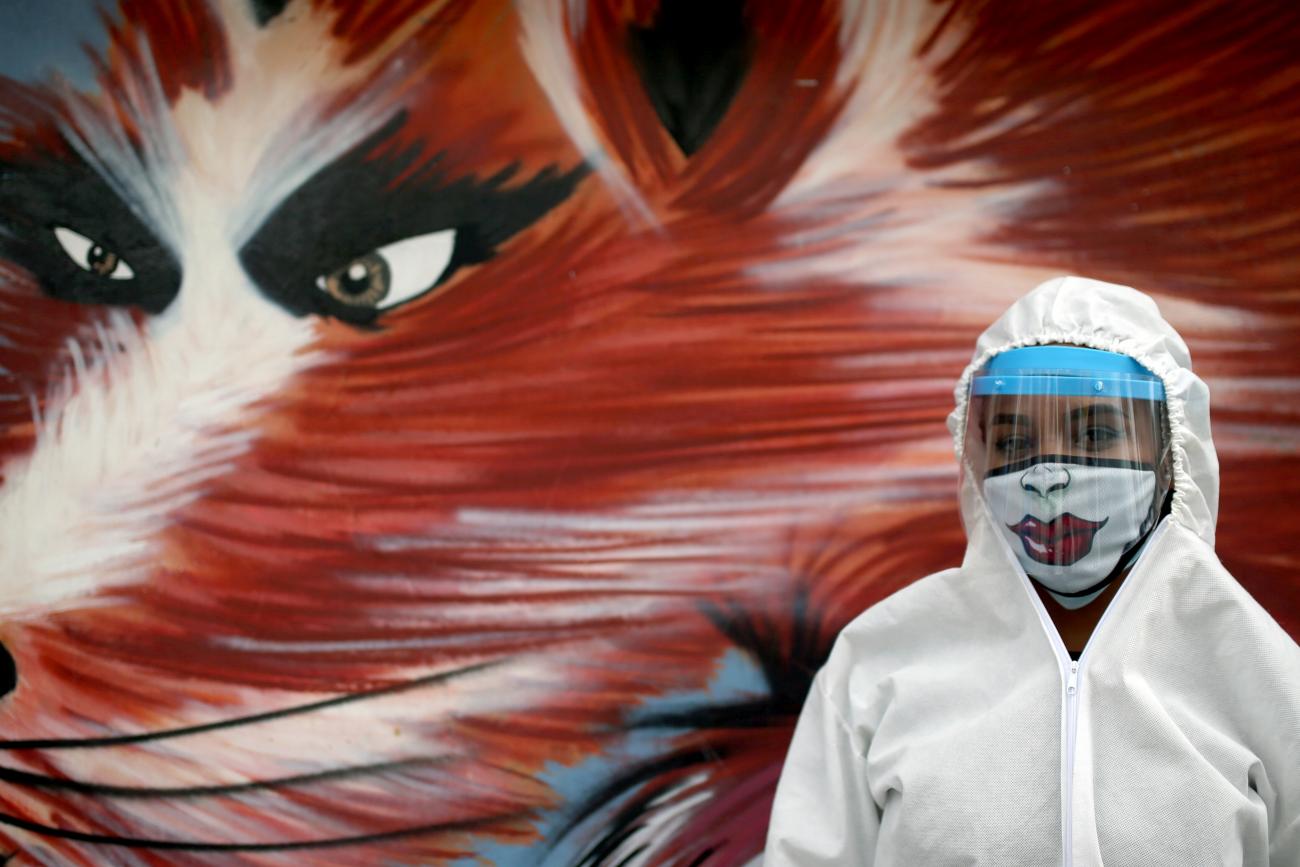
92, 256
1014, 444
392, 274
1099, 437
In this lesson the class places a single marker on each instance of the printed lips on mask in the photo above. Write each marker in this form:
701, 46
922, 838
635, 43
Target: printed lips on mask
1049, 510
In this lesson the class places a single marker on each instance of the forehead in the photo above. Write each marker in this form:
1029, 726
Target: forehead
1029, 408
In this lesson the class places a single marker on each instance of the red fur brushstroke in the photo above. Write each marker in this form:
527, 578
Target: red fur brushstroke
593, 366
28, 348
367, 26
182, 44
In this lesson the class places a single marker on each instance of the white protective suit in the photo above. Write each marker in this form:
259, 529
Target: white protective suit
950, 727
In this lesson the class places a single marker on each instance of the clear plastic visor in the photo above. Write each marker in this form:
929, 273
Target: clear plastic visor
1074, 464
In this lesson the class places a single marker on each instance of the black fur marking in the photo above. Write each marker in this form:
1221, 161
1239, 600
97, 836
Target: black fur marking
641, 779
701, 858
8, 671
265, 10
39, 195
357, 205
692, 60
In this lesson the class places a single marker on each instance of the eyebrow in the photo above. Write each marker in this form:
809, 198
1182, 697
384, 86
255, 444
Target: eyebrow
1098, 409
1091, 409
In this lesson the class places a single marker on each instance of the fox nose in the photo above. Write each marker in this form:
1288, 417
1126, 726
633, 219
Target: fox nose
8, 672
1043, 479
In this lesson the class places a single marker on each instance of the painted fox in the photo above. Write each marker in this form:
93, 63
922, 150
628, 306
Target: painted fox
445, 431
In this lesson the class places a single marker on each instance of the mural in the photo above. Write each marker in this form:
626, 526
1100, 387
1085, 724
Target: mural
454, 431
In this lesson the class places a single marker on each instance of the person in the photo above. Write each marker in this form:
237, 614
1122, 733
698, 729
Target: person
1090, 686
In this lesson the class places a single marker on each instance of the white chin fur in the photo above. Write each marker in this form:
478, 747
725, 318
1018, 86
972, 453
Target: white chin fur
142, 421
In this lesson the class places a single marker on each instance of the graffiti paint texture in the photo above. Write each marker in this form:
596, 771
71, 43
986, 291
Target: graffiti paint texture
454, 431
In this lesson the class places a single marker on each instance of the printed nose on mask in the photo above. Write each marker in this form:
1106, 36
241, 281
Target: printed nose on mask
1044, 479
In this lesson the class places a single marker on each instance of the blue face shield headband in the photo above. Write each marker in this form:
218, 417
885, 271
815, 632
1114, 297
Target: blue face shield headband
1067, 443
1067, 371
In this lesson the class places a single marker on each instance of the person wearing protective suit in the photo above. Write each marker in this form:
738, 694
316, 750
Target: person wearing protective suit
1090, 686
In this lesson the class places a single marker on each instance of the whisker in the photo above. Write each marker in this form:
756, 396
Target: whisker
25, 778
283, 846
116, 740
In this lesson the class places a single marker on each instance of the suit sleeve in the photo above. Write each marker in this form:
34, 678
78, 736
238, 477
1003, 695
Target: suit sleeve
823, 813
1275, 738
1282, 788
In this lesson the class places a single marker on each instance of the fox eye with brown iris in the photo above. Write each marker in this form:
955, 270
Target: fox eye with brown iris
362, 281
382, 226
392, 274
90, 255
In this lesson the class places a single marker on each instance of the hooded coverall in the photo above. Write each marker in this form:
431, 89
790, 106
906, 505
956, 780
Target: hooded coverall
951, 727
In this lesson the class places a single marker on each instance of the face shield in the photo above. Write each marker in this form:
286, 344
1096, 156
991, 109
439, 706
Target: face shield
1069, 448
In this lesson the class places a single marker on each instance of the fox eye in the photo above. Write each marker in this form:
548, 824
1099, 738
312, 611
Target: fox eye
392, 274
90, 255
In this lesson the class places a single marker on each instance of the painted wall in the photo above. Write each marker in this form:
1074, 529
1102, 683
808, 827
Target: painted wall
454, 432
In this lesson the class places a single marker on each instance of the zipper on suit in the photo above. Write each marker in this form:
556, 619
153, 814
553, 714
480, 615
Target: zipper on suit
1072, 687
1071, 703
1072, 719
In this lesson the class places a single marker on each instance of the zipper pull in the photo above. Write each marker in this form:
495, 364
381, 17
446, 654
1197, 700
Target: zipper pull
1074, 677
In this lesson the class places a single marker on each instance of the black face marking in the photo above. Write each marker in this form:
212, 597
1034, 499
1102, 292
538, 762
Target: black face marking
692, 61
8, 672
61, 221
265, 10
321, 250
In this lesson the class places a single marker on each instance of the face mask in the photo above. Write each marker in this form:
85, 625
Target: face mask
1072, 524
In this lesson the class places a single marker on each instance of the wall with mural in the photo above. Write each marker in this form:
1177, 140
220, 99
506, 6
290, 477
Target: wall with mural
454, 431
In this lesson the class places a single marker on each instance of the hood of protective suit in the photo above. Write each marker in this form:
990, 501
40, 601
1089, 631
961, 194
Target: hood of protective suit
951, 724
1083, 312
